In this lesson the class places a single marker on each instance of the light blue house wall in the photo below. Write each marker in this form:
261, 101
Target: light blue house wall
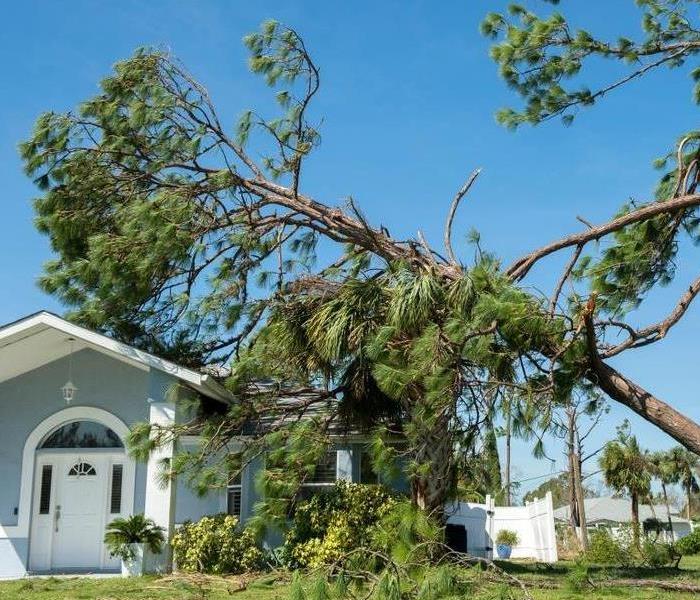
103, 382
126, 392
27, 400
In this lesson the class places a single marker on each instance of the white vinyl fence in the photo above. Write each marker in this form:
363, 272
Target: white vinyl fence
534, 524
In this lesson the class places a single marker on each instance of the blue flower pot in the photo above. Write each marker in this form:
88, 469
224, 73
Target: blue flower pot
503, 551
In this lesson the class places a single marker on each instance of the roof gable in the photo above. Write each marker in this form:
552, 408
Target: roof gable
44, 337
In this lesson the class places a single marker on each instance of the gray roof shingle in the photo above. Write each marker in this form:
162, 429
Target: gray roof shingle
618, 510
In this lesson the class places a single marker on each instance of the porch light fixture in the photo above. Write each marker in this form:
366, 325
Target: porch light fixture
69, 389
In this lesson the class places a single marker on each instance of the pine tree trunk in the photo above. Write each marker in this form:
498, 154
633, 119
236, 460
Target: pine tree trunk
635, 519
575, 478
435, 455
509, 498
573, 517
580, 501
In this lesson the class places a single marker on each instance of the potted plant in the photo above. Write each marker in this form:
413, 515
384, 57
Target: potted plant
129, 538
505, 540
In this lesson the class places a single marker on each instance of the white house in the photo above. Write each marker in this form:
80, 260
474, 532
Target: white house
616, 513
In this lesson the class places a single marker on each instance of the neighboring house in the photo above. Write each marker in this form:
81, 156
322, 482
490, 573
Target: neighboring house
65, 472
616, 513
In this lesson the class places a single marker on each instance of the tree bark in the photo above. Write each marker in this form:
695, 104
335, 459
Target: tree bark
431, 486
509, 499
578, 506
635, 519
644, 403
668, 510
580, 501
573, 517
688, 497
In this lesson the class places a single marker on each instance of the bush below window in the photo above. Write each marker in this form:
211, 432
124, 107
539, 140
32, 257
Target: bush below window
334, 522
216, 545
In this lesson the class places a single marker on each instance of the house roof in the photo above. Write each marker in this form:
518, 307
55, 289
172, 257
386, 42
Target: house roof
617, 510
43, 337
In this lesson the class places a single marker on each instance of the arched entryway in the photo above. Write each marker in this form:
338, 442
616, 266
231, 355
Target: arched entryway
83, 478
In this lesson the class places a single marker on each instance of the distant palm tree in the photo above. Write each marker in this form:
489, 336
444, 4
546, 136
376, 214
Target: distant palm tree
663, 469
685, 465
626, 469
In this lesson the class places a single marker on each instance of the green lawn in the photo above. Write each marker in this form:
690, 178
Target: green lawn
269, 588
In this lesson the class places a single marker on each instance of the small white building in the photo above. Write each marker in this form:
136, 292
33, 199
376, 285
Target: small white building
616, 513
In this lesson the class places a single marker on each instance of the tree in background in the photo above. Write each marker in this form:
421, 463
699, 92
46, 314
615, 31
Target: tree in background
684, 466
626, 469
170, 235
663, 469
559, 486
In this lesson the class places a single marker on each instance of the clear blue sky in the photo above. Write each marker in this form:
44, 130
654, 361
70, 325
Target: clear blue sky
408, 100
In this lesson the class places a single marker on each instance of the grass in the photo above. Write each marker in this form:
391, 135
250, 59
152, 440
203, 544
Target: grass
536, 575
141, 588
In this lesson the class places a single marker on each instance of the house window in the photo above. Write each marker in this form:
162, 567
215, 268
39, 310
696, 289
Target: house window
82, 434
326, 471
234, 495
82, 469
324, 477
367, 472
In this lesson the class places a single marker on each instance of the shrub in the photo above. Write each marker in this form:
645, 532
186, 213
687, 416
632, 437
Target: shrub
123, 533
332, 523
604, 549
657, 554
579, 577
216, 545
506, 537
690, 544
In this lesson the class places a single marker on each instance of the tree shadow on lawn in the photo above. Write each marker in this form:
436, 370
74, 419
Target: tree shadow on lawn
561, 569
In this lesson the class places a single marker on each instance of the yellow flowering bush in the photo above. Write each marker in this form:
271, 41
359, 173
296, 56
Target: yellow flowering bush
216, 545
331, 524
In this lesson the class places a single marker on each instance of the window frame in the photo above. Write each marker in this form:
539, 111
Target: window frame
235, 485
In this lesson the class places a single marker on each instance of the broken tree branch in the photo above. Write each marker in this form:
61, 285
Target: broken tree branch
451, 215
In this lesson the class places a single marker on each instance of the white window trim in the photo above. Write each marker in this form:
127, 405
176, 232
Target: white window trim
72, 413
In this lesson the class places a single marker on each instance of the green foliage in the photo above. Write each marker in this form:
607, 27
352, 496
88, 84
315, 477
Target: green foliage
690, 544
407, 533
559, 487
216, 545
333, 523
626, 468
122, 533
620, 551
541, 57
657, 554
507, 537
604, 549
578, 578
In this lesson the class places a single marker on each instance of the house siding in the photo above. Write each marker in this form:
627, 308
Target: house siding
28, 399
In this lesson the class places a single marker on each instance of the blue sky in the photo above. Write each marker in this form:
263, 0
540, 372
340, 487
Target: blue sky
407, 104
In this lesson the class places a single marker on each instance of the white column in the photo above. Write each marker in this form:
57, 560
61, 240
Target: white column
160, 494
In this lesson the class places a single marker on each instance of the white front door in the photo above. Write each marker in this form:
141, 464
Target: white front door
72, 502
